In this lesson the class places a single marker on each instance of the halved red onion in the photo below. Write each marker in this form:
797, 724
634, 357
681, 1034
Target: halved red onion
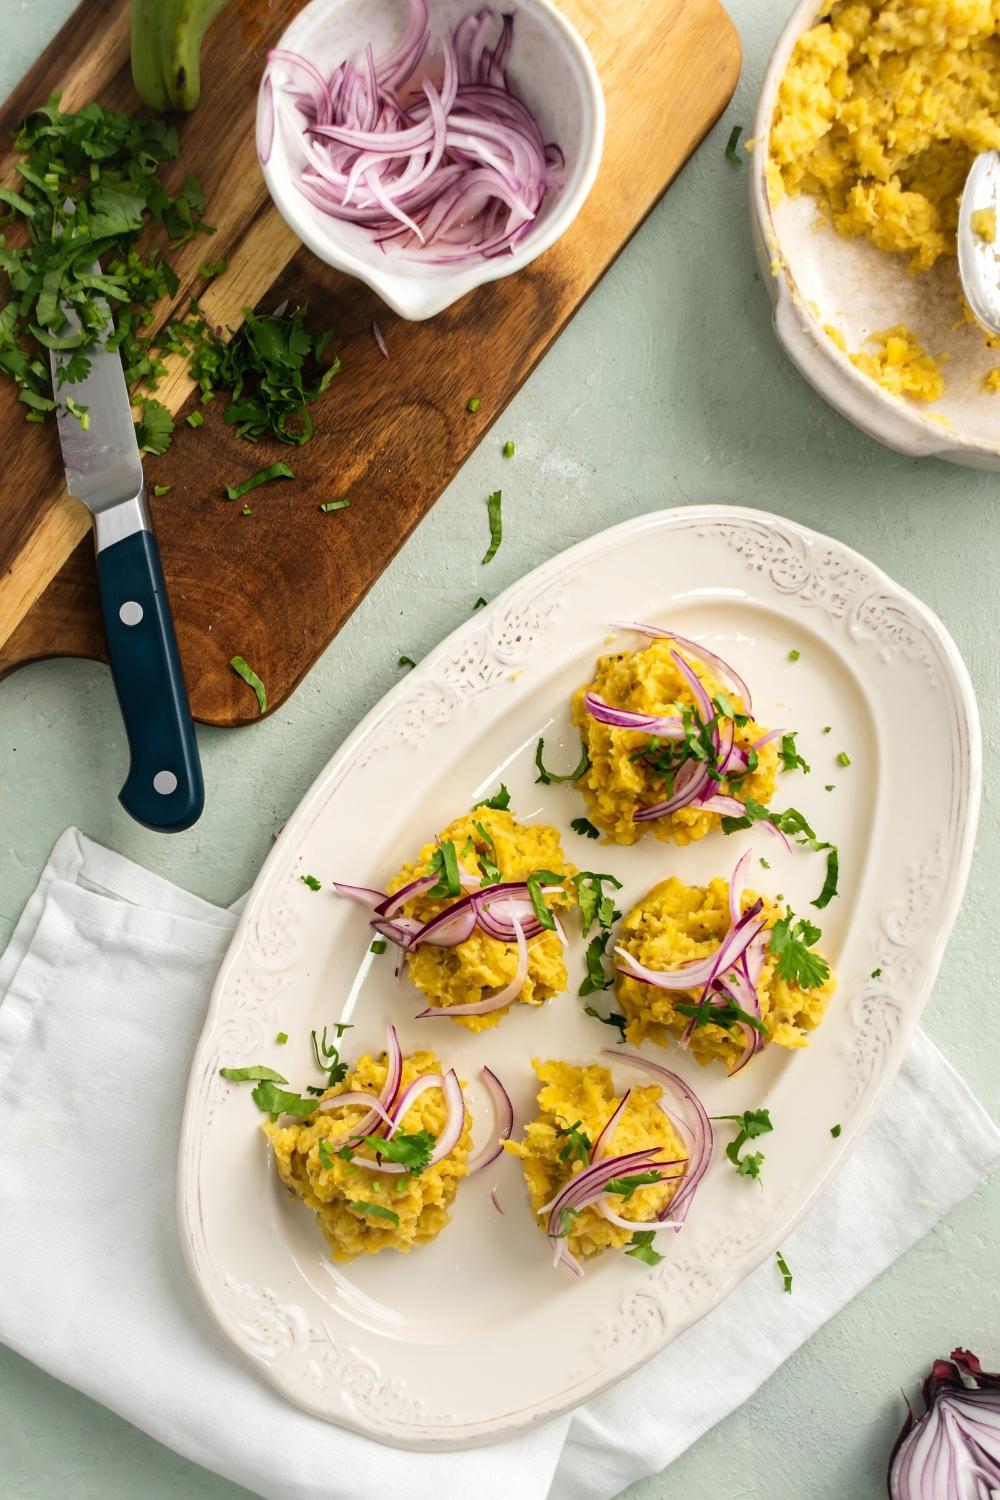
695, 648
700, 1126
506, 996
501, 1126
670, 727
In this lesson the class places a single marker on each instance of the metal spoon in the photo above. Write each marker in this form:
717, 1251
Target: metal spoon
979, 254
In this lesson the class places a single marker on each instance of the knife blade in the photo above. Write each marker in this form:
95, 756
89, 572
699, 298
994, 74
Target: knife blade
164, 789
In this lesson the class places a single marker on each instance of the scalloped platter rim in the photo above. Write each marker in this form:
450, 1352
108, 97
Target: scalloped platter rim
475, 1336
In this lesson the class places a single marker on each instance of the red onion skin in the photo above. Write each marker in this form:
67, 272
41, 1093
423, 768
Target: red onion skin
945, 1375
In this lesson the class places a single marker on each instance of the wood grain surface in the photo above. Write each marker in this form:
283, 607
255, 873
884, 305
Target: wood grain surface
276, 588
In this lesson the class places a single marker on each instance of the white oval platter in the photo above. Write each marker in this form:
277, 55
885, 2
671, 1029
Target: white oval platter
475, 1336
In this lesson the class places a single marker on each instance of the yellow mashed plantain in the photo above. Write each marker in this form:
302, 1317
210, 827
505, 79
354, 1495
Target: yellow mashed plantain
344, 1197
474, 970
879, 116
617, 784
585, 1097
676, 924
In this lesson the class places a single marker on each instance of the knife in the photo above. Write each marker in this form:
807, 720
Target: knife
164, 788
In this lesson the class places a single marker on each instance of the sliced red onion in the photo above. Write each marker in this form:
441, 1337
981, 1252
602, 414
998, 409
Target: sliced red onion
652, 1224
446, 1141
725, 806
506, 996
701, 698
355, 1097
380, 341
450, 173
363, 893
390, 905
737, 881
265, 122
409, 1097
777, 833
721, 668
400, 930
765, 739
611, 1125
502, 1125
589, 1183
665, 728
700, 1126
694, 975
495, 1200
448, 928
690, 781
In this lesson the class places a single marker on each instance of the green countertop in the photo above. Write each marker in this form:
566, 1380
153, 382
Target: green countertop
668, 388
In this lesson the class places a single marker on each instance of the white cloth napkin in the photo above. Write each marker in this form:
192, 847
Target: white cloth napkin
102, 994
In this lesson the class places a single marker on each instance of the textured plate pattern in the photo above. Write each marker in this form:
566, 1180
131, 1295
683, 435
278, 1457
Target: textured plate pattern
475, 1336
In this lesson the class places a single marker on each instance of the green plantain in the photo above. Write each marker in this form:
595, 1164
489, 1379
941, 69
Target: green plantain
166, 50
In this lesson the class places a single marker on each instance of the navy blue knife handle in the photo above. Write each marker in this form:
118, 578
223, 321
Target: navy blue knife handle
164, 788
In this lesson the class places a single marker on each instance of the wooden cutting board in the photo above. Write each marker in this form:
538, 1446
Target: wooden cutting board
276, 587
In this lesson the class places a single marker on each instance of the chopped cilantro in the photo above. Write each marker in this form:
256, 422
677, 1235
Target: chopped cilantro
472, 404
614, 1019
626, 1186
835, 1130
255, 1074
213, 268
161, 489
411, 1152
246, 511
786, 1275
752, 1123
828, 787
596, 978
493, 509
829, 890
377, 945
876, 973
244, 670
499, 802
723, 1013
827, 728
765, 865
311, 882
376, 1209
155, 426
444, 863
276, 1101
578, 1143
566, 1218
480, 603
594, 903
641, 1246
263, 476
792, 942
547, 777
81, 413
794, 655
843, 759
487, 860
329, 505
534, 882
326, 1054
585, 828
406, 661
195, 418
794, 825
732, 151
791, 760
326, 1154
281, 1038
508, 449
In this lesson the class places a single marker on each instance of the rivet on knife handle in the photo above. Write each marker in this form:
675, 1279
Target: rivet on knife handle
164, 788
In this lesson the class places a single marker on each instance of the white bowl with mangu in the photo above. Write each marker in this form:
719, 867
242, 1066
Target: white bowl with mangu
429, 148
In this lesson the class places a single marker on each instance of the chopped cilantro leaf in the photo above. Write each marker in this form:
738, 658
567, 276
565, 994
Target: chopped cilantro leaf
578, 1143
843, 759
829, 890
585, 828
487, 860
213, 268
263, 476
596, 978
614, 1019
791, 760
326, 1054
255, 1074
377, 946
406, 661
161, 489
480, 603
508, 449
472, 404
786, 1275
444, 863
765, 864
827, 728
732, 151
246, 511
326, 1154
794, 655
276, 1101
281, 1038
641, 1246
493, 509
244, 670
329, 505
376, 1209
534, 882
311, 882
154, 428
411, 1152
547, 777
752, 1123
792, 942
876, 973
724, 1013
499, 802
626, 1186
835, 1130
594, 903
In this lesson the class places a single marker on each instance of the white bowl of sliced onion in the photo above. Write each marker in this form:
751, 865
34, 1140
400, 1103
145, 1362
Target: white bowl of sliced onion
429, 148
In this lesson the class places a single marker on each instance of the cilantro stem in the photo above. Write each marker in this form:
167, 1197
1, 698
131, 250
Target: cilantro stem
493, 507
263, 476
